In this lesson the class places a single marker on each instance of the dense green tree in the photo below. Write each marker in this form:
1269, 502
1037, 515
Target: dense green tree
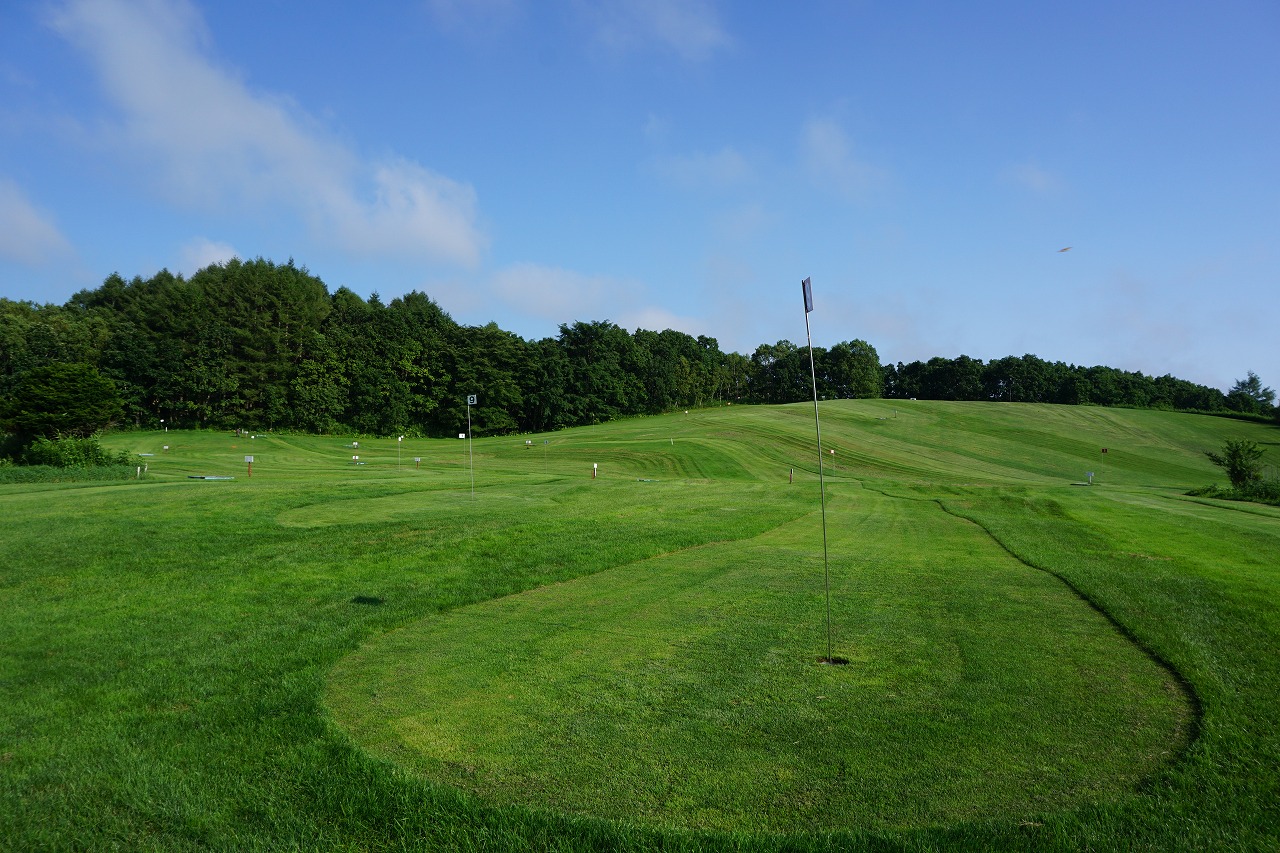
850, 370
488, 365
544, 385
1249, 395
1240, 459
425, 349
736, 374
951, 379
259, 316
677, 369
603, 379
781, 373
319, 389
60, 400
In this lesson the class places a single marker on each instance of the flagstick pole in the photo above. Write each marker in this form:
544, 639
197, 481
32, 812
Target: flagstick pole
822, 490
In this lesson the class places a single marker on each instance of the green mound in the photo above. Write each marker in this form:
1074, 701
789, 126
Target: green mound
684, 690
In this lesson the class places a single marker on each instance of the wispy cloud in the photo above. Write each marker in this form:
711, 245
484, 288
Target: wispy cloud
657, 319
1030, 176
201, 252
690, 28
27, 234
557, 294
829, 158
475, 17
656, 129
561, 295
213, 141
743, 223
725, 168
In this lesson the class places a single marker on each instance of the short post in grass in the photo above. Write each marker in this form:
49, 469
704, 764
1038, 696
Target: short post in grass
398, 443
248, 460
471, 401
807, 289
1101, 465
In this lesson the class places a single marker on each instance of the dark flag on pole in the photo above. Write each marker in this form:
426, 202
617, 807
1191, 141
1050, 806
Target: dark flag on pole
822, 485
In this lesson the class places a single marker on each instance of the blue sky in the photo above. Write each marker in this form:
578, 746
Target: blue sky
678, 164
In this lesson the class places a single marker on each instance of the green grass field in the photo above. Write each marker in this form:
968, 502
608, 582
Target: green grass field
405, 654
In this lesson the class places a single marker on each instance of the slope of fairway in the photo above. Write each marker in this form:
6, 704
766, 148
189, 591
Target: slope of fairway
448, 645
892, 439
684, 690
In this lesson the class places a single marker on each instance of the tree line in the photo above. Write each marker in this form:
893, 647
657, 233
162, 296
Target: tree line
261, 345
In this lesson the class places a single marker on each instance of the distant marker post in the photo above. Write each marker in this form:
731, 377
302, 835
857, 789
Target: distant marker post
471, 401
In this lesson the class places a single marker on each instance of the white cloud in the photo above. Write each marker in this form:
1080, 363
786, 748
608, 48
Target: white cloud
828, 156
557, 294
657, 319
1030, 176
743, 223
725, 168
215, 142
690, 28
474, 16
27, 234
656, 129
410, 203
201, 252
564, 296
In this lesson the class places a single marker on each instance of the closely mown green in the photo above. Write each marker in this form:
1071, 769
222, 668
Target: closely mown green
1034, 663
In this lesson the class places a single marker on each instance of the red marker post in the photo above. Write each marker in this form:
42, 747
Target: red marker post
248, 460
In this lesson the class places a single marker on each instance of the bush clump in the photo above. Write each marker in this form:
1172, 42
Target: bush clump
10, 473
71, 453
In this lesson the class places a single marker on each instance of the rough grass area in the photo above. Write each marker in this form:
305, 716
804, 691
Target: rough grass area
192, 664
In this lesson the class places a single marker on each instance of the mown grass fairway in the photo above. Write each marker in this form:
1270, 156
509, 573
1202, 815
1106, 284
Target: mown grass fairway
339, 656
684, 690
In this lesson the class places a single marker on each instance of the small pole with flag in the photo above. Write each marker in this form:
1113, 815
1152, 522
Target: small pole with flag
807, 288
471, 401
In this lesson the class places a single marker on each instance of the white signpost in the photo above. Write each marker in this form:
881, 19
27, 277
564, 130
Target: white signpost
471, 401
248, 460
